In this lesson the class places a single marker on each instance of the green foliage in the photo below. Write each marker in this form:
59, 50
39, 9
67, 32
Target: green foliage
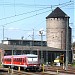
73, 63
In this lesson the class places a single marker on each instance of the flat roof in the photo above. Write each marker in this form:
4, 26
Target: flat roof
18, 47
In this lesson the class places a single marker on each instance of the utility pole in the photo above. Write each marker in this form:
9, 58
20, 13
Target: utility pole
33, 37
41, 32
22, 44
32, 40
3, 33
67, 42
12, 61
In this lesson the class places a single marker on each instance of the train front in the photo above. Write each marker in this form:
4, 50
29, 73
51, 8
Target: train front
32, 62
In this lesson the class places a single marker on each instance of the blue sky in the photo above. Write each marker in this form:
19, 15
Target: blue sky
20, 17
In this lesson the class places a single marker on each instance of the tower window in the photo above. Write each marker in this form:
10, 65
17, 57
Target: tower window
53, 37
51, 19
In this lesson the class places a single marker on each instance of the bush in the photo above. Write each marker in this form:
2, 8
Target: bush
73, 63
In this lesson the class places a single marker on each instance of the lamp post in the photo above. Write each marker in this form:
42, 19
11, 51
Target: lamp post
41, 32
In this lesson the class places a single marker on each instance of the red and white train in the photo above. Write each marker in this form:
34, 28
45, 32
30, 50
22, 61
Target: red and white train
28, 61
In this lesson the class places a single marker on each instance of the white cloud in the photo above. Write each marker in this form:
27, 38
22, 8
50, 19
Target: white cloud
41, 29
30, 33
73, 40
12, 28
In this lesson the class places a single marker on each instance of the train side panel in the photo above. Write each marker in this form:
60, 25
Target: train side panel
29, 61
6, 61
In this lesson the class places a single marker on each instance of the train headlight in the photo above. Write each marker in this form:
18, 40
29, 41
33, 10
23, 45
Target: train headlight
34, 65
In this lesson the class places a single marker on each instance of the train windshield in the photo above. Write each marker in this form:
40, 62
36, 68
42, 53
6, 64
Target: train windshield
32, 60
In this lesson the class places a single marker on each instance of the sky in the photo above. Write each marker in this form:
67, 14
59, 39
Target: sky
23, 18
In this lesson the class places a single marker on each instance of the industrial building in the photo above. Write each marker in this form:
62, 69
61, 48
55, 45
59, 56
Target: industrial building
56, 25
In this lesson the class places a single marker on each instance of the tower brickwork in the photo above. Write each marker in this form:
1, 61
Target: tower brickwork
56, 23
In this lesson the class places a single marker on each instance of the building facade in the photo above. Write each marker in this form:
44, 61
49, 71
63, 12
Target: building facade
48, 53
25, 42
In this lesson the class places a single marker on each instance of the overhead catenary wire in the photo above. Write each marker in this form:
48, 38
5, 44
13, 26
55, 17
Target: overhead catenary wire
31, 5
24, 13
28, 17
44, 7
50, 6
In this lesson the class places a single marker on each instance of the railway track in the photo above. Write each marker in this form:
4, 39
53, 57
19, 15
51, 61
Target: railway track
4, 71
48, 70
30, 73
71, 70
25, 73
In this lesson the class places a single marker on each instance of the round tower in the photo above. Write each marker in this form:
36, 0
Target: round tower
56, 24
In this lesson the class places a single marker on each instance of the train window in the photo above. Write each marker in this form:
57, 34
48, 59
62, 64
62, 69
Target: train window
25, 60
21, 59
14, 59
17, 59
9, 59
6, 59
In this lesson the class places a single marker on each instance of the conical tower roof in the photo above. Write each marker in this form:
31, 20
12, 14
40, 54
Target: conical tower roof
57, 13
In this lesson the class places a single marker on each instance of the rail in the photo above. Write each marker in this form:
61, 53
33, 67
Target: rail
48, 70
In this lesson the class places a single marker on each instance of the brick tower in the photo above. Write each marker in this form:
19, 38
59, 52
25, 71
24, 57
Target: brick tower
56, 23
